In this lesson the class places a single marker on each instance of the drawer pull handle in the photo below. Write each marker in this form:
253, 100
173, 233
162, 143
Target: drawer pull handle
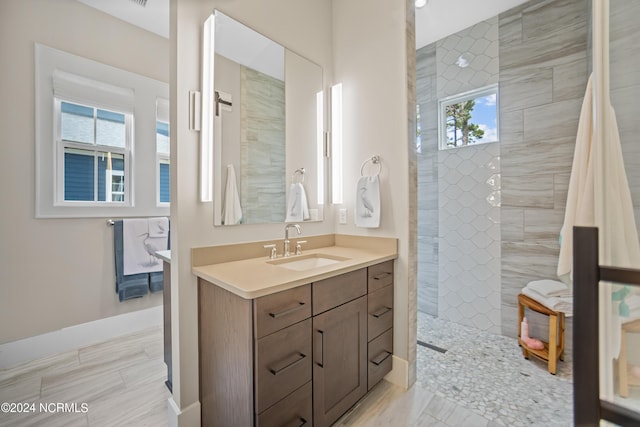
321, 348
288, 364
381, 312
382, 276
380, 358
286, 311
298, 422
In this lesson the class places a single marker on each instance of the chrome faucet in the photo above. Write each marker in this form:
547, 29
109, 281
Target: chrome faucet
286, 251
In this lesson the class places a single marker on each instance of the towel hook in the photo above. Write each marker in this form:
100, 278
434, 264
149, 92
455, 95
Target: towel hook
374, 160
296, 172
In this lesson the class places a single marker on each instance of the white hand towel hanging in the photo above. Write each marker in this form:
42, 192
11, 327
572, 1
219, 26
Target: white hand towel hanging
297, 206
139, 248
368, 202
231, 209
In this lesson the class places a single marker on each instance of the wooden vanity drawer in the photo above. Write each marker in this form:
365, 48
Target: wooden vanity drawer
295, 410
380, 275
282, 364
380, 309
276, 311
334, 291
379, 355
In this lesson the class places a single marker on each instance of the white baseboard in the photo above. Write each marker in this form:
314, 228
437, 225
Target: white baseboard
188, 417
74, 337
399, 374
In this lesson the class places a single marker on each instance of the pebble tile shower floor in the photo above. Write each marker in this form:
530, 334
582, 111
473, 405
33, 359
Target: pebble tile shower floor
488, 375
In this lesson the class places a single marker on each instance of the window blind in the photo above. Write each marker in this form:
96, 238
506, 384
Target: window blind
162, 110
83, 90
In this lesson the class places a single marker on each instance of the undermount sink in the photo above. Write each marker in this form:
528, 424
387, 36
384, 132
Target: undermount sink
307, 262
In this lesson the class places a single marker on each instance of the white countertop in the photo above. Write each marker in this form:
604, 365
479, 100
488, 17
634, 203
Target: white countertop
256, 277
164, 255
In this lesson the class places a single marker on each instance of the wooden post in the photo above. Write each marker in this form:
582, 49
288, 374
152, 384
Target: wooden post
586, 277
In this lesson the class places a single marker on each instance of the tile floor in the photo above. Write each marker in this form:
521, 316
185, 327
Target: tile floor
121, 381
482, 380
488, 375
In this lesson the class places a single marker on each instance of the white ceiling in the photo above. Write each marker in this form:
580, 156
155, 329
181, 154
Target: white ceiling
153, 17
438, 19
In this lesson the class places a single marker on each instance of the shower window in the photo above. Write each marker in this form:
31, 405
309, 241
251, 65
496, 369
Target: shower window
468, 118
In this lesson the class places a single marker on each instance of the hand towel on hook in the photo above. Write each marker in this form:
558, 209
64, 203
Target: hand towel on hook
368, 202
231, 209
297, 205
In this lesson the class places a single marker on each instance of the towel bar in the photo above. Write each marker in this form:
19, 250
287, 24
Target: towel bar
375, 160
296, 172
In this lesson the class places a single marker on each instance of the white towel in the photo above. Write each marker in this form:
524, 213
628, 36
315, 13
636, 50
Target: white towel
368, 202
139, 248
599, 196
297, 205
550, 288
562, 304
231, 209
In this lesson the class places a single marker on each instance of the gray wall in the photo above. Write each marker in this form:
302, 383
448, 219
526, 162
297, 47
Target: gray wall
262, 147
543, 67
543, 74
625, 92
625, 87
426, 87
57, 273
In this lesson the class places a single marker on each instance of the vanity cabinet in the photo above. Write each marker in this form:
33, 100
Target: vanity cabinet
340, 345
380, 321
299, 357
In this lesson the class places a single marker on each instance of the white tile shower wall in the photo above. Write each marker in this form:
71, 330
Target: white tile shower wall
469, 236
479, 44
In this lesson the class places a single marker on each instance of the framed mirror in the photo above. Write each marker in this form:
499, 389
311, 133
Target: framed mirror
263, 121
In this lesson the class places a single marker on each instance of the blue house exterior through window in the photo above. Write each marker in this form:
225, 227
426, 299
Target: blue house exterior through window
94, 142
79, 175
162, 145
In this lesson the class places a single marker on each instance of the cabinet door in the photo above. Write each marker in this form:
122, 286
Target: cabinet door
340, 360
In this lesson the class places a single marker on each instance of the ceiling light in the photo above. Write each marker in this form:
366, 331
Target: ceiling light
464, 60
421, 3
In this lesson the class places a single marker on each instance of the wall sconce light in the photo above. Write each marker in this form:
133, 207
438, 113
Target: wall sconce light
336, 144
320, 148
206, 133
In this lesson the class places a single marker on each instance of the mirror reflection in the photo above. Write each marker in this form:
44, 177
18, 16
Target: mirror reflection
267, 165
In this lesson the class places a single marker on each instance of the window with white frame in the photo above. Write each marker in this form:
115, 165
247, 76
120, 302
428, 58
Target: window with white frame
163, 151
97, 139
469, 118
93, 152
